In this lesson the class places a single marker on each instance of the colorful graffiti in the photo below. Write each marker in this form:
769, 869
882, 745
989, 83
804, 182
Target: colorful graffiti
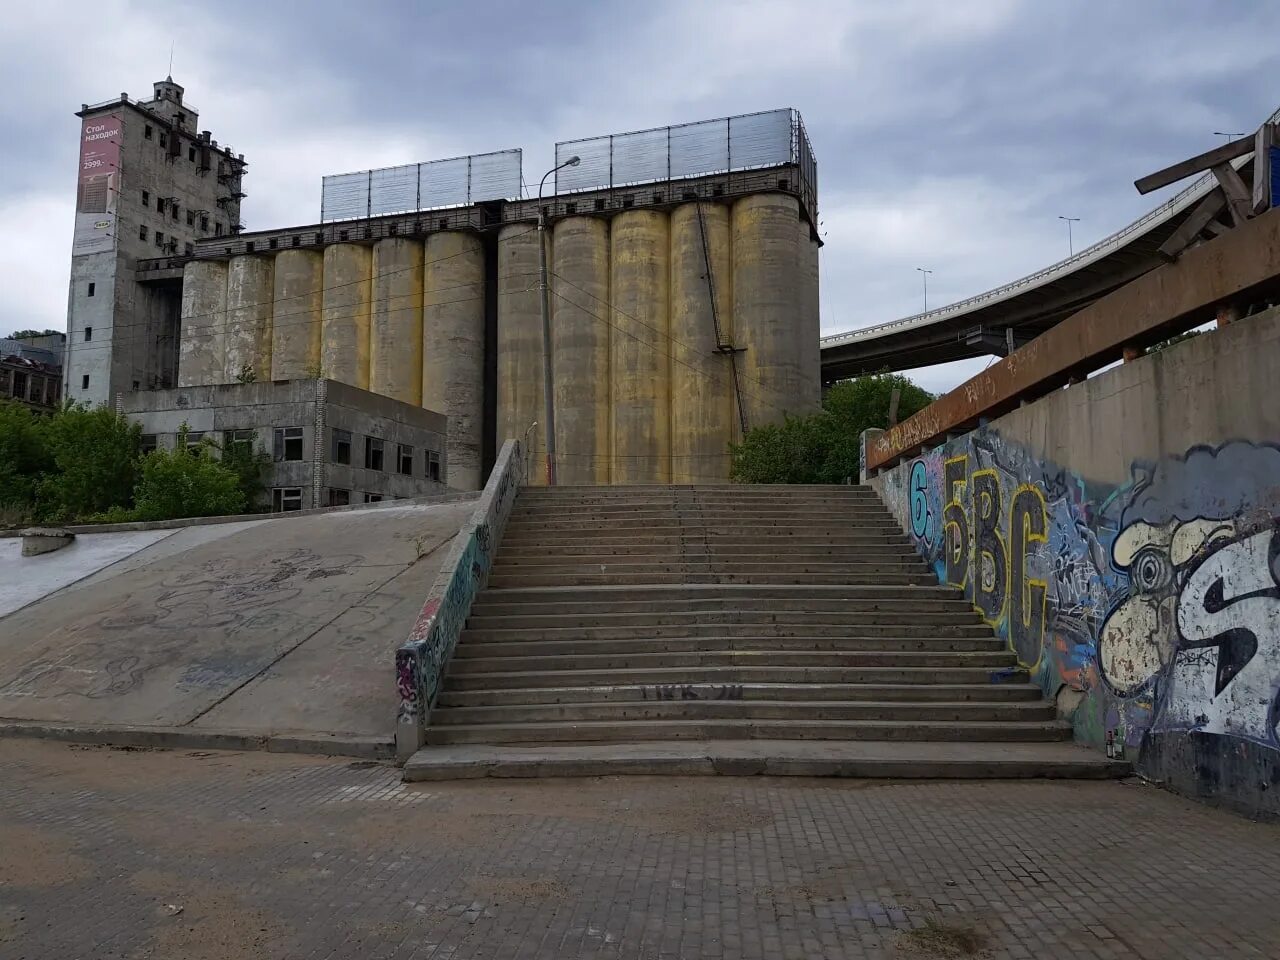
1157, 602
421, 661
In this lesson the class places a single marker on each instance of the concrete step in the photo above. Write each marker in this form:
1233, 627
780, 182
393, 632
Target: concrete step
527, 648
739, 593
774, 609
733, 674
700, 514
764, 539
925, 617
676, 709
762, 631
504, 580
700, 550
923, 760
881, 522
791, 692
725, 566
992, 659
747, 729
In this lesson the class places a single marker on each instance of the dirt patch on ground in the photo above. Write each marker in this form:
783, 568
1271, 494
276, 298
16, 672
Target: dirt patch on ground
214, 926
520, 889
939, 939
37, 857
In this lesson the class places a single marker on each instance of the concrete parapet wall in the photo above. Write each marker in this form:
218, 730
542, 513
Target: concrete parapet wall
421, 662
1123, 536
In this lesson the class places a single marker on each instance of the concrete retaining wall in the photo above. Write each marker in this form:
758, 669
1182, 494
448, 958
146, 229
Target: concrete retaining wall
421, 662
1123, 536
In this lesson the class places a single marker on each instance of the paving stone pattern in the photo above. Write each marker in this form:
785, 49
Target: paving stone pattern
106, 853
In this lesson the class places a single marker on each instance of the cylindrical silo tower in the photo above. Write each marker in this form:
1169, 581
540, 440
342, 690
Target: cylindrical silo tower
250, 292
639, 278
520, 344
453, 348
296, 323
766, 277
202, 333
395, 320
580, 332
347, 290
703, 406
810, 321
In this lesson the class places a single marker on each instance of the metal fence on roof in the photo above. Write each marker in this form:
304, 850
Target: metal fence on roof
457, 182
745, 142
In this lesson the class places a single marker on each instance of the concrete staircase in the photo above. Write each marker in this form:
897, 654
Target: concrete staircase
643, 629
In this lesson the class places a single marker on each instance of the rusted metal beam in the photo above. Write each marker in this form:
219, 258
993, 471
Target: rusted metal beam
1239, 266
1180, 171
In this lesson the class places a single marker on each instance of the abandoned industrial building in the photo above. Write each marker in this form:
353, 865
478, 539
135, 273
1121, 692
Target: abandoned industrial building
682, 287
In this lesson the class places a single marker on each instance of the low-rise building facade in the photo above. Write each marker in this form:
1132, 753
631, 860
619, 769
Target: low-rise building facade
330, 444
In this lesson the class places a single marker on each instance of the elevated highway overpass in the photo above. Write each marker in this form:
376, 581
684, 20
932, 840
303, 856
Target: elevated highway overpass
1015, 313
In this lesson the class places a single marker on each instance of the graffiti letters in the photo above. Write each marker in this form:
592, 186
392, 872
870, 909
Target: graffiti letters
689, 691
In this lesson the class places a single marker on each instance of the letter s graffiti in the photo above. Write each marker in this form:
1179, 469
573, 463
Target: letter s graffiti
1227, 669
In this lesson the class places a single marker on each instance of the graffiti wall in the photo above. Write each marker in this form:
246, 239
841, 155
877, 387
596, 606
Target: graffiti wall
1149, 609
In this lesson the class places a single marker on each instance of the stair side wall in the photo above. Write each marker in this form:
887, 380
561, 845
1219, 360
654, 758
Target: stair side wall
1122, 536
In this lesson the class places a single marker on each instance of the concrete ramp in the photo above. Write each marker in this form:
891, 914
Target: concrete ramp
273, 626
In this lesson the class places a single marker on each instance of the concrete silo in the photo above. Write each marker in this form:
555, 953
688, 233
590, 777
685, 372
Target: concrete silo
639, 279
580, 332
809, 332
296, 323
345, 302
453, 348
250, 292
767, 275
703, 406
202, 332
395, 320
520, 344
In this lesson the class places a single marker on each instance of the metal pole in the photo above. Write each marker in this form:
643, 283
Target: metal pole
548, 385
1071, 246
924, 279
548, 388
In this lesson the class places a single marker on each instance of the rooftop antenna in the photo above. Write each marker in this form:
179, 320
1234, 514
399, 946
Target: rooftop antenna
170, 61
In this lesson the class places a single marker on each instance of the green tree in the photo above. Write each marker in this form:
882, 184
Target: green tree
186, 482
94, 459
250, 467
22, 458
823, 447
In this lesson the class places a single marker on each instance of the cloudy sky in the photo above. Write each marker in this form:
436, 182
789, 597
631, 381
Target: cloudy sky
950, 134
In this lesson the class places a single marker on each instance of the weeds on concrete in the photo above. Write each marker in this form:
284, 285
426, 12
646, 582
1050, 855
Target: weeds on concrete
944, 941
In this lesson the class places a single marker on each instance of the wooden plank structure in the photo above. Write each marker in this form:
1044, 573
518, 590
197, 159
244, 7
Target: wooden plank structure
1238, 200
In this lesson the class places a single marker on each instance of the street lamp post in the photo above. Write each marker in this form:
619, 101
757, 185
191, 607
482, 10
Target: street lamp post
1229, 136
548, 388
924, 279
1071, 247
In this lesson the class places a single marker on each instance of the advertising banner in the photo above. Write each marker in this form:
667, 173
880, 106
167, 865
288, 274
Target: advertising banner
99, 184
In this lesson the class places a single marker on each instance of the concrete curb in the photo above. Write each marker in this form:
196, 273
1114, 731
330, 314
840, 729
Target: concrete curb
432, 764
140, 526
185, 738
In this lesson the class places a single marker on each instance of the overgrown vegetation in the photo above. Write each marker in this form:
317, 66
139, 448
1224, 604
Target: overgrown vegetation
28, 334
823, 447
85, 465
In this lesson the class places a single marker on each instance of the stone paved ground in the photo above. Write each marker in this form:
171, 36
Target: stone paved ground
195, 856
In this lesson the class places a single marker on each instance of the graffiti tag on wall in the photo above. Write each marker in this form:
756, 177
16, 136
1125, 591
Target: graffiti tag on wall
1158, 600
